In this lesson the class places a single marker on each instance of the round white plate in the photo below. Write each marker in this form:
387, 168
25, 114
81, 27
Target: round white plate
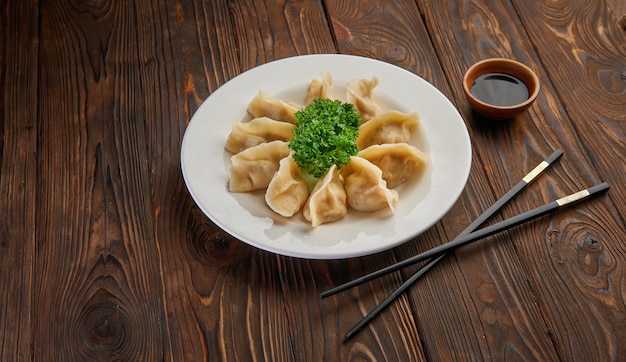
422, 201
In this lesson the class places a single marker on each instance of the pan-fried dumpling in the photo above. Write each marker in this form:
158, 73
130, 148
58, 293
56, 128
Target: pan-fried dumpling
254, 168
259, 130
390, 127
320, 89
397, 161
264, 105
327, 202
365, 188
359, 93
288, 191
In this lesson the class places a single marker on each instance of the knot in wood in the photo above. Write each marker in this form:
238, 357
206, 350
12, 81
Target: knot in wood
592, 243
396, 52
590, 256
212, 246
103, 326
223, 250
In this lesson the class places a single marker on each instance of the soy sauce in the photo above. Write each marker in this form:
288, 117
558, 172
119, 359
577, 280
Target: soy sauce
499, 89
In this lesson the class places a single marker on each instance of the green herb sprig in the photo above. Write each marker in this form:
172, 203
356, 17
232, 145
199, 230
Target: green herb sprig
325, 134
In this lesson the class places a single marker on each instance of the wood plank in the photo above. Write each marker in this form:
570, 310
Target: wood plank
102, 298
18, 177
185, 72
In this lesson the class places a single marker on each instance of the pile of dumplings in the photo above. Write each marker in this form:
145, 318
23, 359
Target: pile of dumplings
262, 159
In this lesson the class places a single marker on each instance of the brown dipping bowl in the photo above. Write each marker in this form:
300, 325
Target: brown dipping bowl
506, 66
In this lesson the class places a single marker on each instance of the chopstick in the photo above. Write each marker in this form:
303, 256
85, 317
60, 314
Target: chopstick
533, 174
440, 250
527, 179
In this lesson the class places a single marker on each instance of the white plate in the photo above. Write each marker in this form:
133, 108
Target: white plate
422, 202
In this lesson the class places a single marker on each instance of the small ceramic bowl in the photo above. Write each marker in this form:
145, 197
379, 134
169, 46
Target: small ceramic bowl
508, 73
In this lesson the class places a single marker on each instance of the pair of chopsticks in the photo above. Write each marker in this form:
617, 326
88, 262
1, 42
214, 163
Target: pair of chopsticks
467, 236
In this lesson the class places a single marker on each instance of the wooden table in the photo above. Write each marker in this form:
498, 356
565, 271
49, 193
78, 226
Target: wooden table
105, 256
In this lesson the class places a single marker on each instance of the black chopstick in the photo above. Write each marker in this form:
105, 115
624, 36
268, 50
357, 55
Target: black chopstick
528, 178
471, 227
488, 231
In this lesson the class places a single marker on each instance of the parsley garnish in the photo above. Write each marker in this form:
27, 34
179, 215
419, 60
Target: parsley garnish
325, 134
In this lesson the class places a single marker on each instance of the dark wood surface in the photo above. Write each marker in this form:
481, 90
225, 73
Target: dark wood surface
104, 255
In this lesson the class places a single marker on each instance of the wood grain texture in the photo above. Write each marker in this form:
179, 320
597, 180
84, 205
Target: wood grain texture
271, 30
18, 178
618, 9
94, 188
391, 32
588, 80
108, 257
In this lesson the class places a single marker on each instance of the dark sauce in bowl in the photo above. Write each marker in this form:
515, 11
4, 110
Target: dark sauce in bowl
499, 89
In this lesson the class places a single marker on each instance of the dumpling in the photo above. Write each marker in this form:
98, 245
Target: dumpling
359, 93
259, 130
264, 105
320, 89
327, 202
397, 161
287, 191
365, 188
254, 168
390, 127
